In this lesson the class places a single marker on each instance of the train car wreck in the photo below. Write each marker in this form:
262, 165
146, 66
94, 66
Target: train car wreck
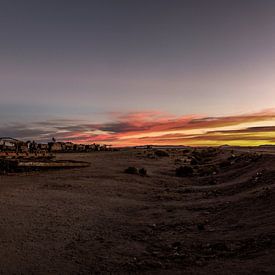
20, 156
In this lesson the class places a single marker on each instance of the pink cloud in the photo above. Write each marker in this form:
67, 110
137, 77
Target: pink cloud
137, 128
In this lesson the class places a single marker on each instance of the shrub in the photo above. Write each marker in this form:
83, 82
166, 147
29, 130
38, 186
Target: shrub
177, 161
161, 153
151, 156
225, 163
207, 171
142, 172
184, 171
212, 181
131, 170
193, 162
200, 226
255, 157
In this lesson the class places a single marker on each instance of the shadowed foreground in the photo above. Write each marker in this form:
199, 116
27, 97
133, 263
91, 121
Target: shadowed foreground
100, 219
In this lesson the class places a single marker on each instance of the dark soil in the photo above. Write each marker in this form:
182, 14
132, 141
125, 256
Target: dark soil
221, 220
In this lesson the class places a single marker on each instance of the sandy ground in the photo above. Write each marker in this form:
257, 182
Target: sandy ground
99, 219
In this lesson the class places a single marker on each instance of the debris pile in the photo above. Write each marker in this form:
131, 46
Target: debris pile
18, 156
11, 165
10, 145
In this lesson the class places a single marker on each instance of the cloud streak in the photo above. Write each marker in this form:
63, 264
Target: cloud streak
139, 128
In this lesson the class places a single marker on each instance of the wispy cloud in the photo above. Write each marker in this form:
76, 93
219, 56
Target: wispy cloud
154, 128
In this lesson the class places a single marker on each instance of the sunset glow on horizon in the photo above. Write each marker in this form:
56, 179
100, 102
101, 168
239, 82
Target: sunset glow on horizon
154, 128
93, 72
244, 130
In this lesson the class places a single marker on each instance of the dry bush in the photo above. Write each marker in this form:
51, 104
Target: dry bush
161, 153
142, 172
131, 170
225, 163
206, 171
184, 171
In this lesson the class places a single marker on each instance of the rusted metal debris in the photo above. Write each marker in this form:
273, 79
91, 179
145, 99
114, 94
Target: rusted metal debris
17, 156
25, 155
8, 165
8, 144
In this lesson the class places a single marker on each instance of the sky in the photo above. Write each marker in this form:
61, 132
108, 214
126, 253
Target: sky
134, 72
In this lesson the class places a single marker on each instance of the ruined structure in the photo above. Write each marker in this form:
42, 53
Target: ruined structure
12, 145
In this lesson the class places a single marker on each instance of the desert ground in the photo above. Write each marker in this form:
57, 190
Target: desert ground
217, 218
